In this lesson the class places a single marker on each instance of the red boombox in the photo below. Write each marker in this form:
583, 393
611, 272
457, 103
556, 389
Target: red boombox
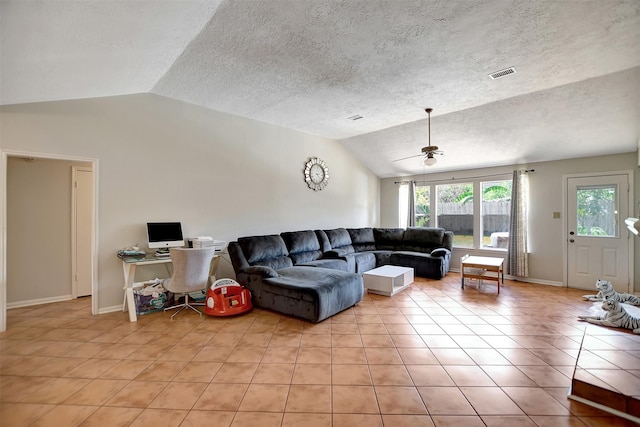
227, 297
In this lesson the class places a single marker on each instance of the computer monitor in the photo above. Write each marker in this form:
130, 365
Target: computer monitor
164, 235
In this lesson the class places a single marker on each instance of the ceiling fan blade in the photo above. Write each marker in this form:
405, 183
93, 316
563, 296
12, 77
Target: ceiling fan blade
410, 157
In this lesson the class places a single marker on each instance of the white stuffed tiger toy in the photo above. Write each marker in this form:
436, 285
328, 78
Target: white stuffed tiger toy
606, 291
616, 316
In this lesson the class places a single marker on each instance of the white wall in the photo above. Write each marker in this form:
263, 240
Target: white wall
219, 174
38, 229
545, 187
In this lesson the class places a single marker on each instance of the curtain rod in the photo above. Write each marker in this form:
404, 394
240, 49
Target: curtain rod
466, 177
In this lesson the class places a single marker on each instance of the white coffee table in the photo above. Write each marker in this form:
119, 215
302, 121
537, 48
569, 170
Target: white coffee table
387, 280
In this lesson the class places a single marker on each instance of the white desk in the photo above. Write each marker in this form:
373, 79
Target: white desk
129, 266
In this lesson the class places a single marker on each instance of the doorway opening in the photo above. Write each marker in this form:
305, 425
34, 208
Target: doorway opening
42, 224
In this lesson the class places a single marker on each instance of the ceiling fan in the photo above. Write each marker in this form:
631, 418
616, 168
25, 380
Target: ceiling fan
428, 152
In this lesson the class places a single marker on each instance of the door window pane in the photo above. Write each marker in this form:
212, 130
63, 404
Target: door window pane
496, 211
455, 212
596, 211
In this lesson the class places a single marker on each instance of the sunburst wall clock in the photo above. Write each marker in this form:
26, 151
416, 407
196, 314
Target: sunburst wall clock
316, 174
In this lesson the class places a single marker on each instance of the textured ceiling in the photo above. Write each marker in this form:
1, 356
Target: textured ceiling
309, 65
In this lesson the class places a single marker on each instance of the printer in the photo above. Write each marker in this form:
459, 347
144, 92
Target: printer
206, 242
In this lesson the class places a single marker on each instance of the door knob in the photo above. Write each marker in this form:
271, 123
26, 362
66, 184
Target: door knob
571, 240
572, 233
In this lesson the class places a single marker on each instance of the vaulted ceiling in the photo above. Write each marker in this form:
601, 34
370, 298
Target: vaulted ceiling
312, 65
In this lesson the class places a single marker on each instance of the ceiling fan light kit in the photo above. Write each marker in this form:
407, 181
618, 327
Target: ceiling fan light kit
429, 160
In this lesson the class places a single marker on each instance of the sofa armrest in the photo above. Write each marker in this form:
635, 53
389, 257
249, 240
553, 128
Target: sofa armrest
336, 253
440, 252
346, 255
261, 270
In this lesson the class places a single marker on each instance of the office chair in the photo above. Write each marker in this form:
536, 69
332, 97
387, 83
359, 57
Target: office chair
192, 269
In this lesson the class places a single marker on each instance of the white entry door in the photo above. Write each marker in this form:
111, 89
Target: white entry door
598, 241
82, 214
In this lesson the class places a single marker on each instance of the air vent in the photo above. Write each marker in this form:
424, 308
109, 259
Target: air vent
354, 118
502, 73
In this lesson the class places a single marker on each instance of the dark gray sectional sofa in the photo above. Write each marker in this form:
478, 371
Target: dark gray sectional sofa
316, 274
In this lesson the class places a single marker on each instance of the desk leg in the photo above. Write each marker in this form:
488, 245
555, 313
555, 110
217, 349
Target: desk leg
131, 305
462, 274
129, 301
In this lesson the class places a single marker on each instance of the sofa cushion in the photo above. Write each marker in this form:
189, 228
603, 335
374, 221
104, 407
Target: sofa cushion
276, 263
339, 239
334, 263
323, 240
382, 257
388, 238
362, 239
364, 261
303, 246
303, 257
447, 240
262, 270
420, 262
421, 239
269, 251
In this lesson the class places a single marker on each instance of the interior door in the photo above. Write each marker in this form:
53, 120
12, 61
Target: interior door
83, 214
597, 241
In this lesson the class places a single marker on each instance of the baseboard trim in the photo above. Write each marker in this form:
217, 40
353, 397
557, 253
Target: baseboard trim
39, 301
536, 281
112, 309
524, 279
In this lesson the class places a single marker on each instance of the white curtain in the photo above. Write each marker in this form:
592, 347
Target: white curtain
411, 205
406, 205
518, 251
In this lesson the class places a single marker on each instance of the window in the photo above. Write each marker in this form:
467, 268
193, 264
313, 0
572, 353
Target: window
496, 211
454, 212
480, 222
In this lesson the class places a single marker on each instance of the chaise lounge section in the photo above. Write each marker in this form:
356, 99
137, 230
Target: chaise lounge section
313, 292
316, 274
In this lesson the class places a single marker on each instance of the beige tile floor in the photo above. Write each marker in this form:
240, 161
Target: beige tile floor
432, 355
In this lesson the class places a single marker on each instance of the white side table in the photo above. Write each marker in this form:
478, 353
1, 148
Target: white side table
490, 268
